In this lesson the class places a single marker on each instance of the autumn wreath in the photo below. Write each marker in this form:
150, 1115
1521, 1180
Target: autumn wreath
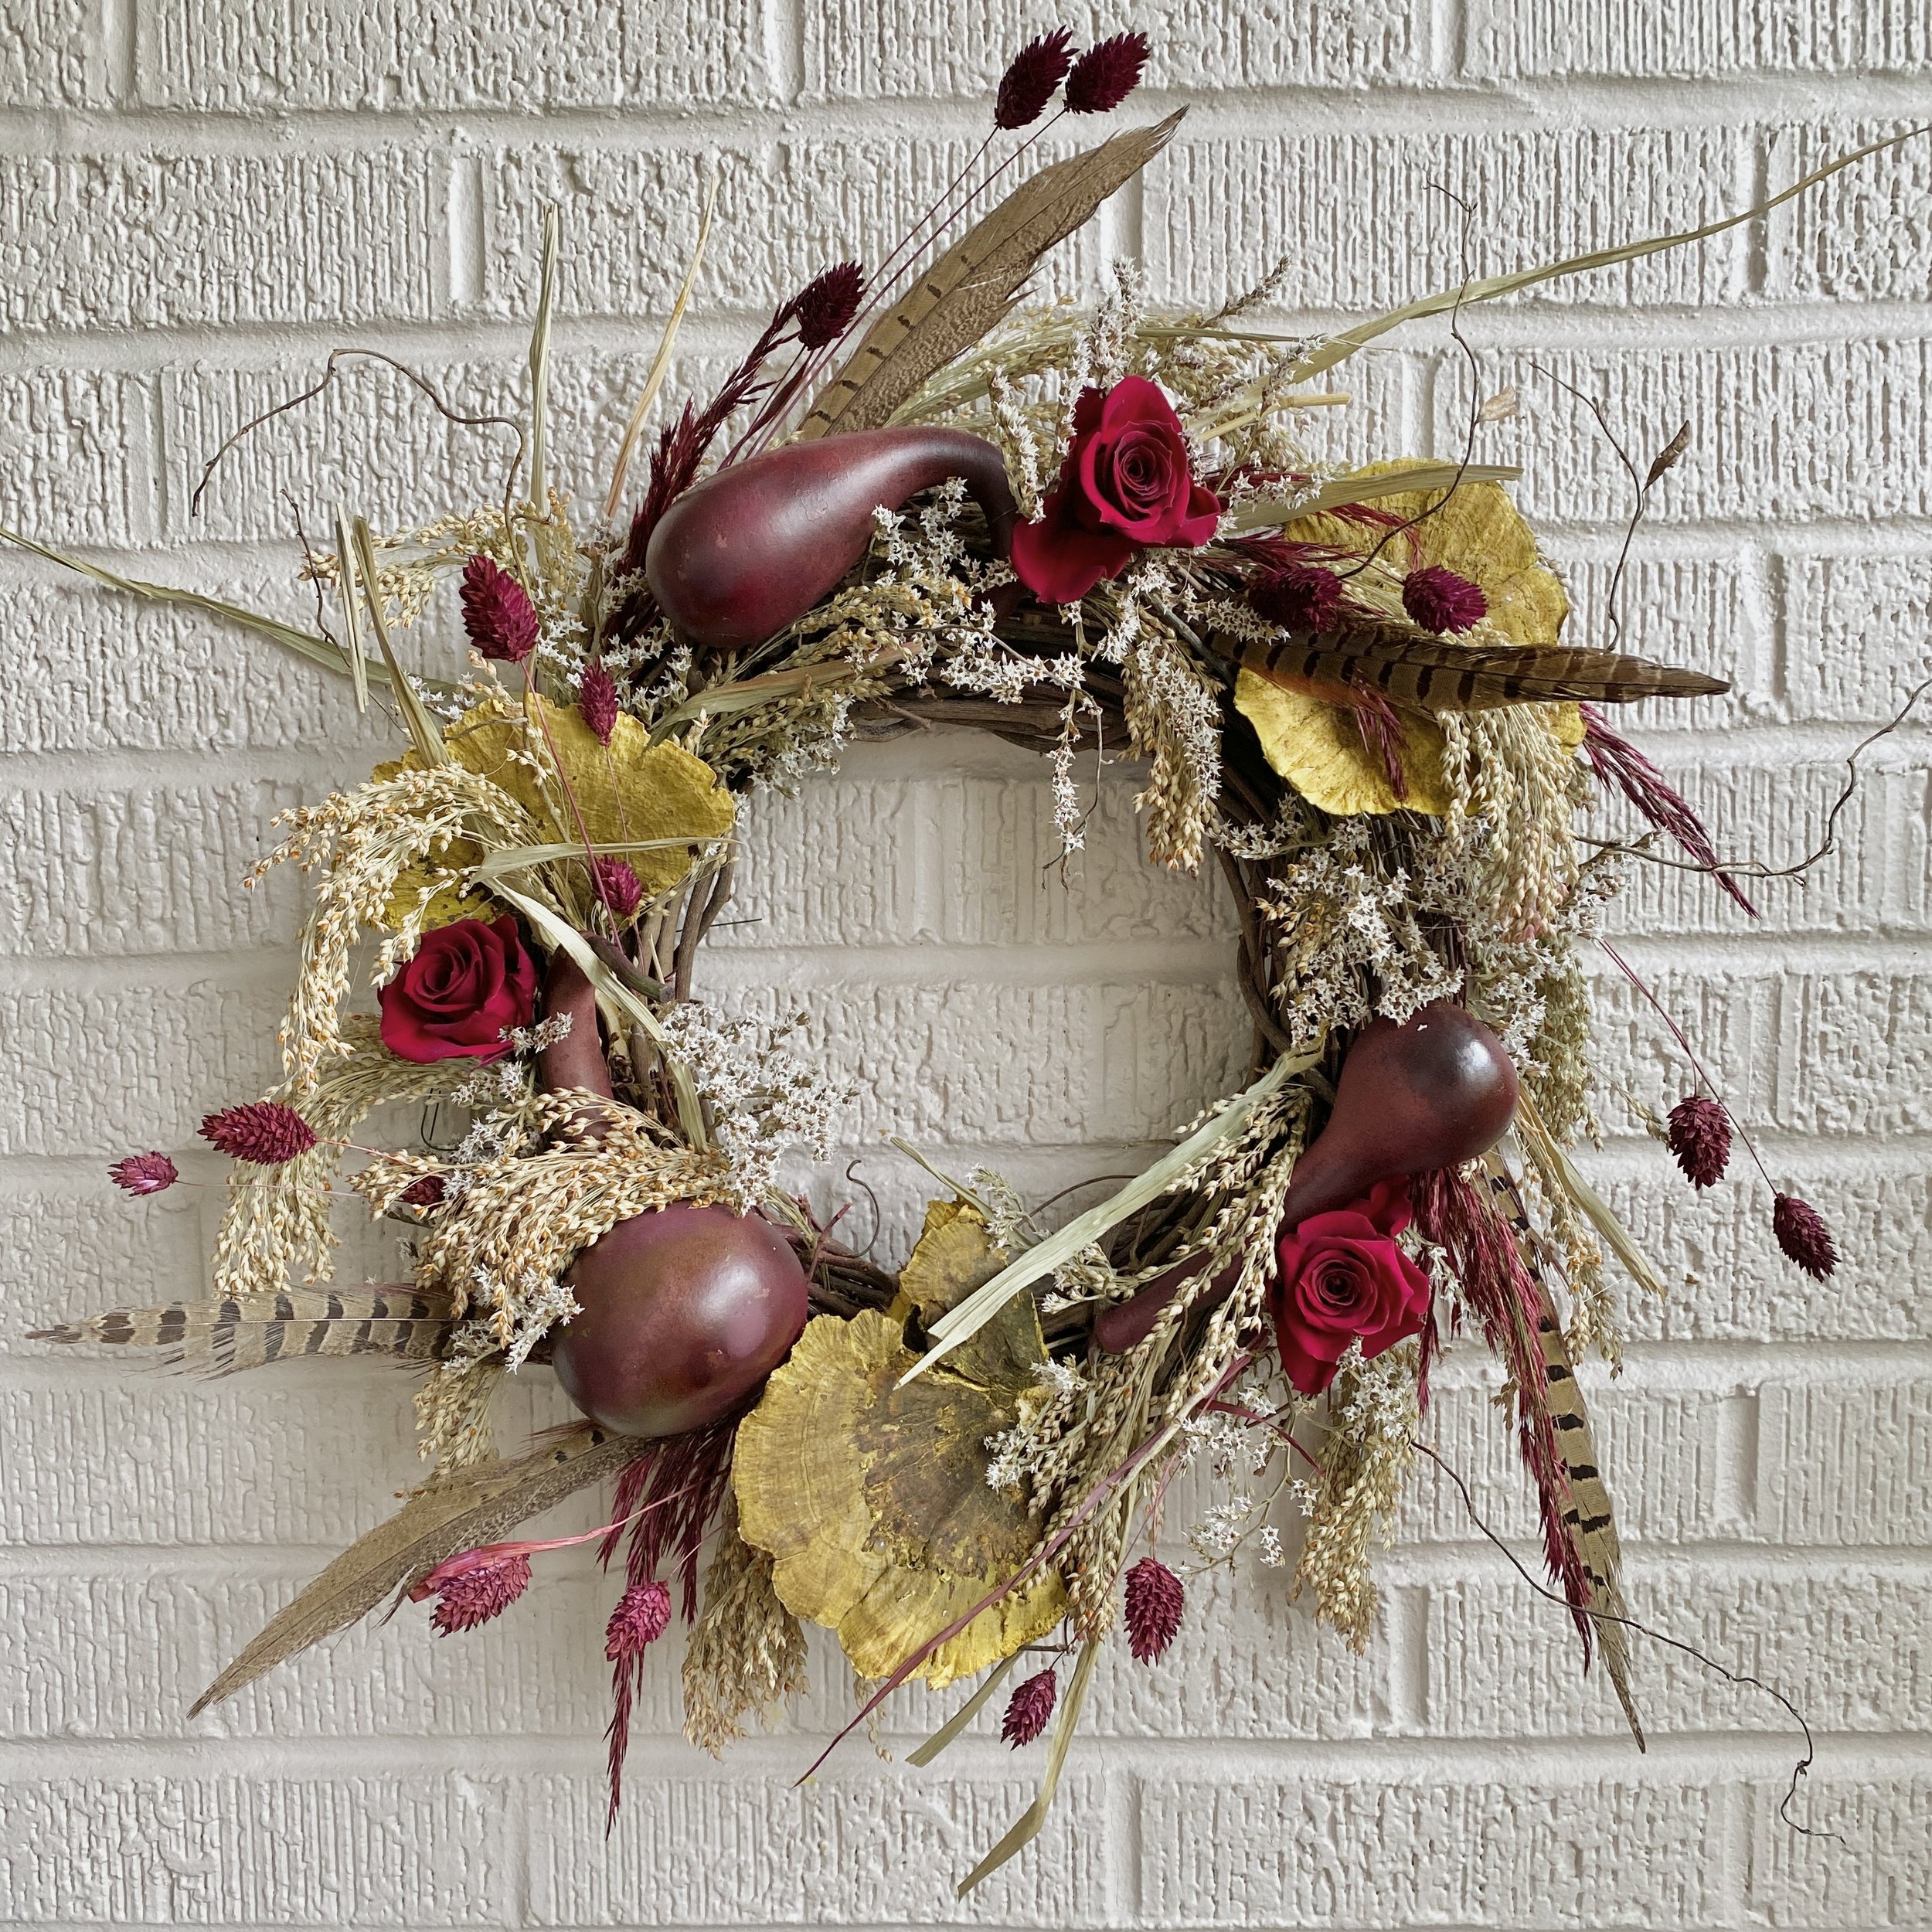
1357, 691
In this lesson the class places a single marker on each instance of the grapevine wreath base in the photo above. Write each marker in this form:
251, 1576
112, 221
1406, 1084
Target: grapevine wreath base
1358, 692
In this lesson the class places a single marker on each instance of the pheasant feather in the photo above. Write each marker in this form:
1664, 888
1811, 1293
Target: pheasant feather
249, 1331
1588, 1520
1437, 674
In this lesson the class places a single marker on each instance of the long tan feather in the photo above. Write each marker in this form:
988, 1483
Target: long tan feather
1588, 1521
1435, 673
469, 1506
248, 1330
971, 286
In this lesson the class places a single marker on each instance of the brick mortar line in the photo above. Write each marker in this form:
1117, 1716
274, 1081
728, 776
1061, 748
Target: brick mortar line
1527, 324
1713, 1367
1460, 103
826, 966
1438, 1562
1751, 1756
1805, 745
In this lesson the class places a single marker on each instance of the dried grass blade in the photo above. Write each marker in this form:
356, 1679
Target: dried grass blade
1345, 490
540, 365
559, 932
747, 694
948, 1731
470, 1506
424, 733
971, 286
1529, 1123
351, 617
304, 644
1025, 1828
1338, 348
979, 1307
661, 362
509, 859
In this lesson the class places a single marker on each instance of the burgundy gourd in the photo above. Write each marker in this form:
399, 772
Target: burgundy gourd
756, 544
1437, 1090
684, 1310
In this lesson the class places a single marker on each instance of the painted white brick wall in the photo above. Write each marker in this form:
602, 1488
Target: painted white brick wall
198, 197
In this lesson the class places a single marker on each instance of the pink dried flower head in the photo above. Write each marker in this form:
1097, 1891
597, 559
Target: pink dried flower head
263, 1131
1029, 1708
1154, 1597
825, 306
1107, 73
597, 701
1299, 596
642, 1616
1802, 1234
1700, 1137
144, 1173
618, 886
1030, 78
497, 612
1440, 600
473, 1596
426, 1191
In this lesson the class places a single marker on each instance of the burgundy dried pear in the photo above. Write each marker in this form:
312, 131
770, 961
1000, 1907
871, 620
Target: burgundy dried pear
1433, 1092
755, 545
685, 1311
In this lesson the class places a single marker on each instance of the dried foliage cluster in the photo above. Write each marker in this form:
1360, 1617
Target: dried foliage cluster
1356, 690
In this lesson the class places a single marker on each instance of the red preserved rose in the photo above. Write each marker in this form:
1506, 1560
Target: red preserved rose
466, 984
1126, 485
1344, 1279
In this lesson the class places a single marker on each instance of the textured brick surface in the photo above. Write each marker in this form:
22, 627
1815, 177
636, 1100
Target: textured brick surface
199, 198
1377, 219
249, 55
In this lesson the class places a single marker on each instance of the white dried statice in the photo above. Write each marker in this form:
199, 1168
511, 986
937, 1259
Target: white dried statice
545, 1033
1059, 1378
1221, 1531
1348, 940
1009, 1228
763, 1097
1268, 1552
1227, 1446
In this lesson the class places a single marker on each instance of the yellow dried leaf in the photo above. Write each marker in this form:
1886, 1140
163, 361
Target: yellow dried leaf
1317, 748
629, 790
1479, 534
872, 1500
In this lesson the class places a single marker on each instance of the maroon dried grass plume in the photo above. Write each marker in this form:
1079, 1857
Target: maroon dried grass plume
426, 1191
1617, 762
1107, 73
1700, 1137
1802, 1234
497, 612
597, 701
144, 1173
642, 1616
618, 886
1299, 596
263, 1131
474, 1595
823, 309
1029, 1708
1155, 1599
1028, 84
1440, 600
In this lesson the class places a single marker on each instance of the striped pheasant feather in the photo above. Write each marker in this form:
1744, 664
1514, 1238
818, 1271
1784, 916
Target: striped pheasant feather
248, 1330
1437, 674
1589, 1522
